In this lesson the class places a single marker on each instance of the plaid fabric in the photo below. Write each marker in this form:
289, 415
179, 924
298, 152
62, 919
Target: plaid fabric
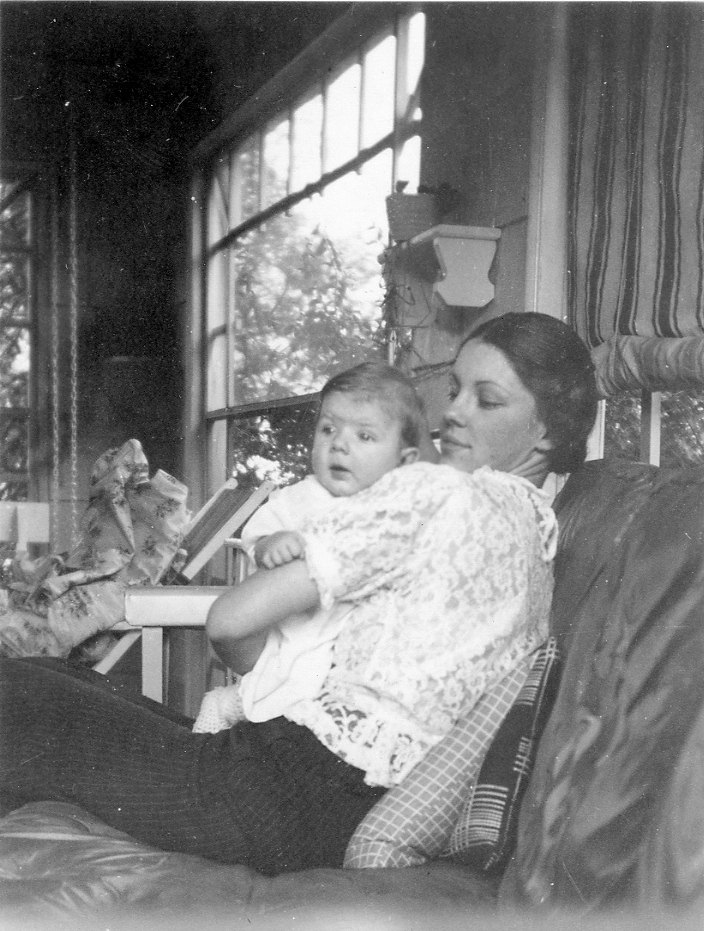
485, 833
414, 820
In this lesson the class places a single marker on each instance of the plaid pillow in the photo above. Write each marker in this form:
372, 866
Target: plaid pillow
485, 835
413, 822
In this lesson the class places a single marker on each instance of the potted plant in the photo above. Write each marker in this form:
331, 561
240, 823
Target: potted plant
411, 214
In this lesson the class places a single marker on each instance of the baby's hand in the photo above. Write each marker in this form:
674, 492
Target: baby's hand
277, 549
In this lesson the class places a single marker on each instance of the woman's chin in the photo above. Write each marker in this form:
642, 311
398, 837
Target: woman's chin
459, 457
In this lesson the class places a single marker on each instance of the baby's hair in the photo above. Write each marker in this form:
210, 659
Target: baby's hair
388, 387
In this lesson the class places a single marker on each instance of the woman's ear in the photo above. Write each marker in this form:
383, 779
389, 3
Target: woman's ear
409, 454
543, 443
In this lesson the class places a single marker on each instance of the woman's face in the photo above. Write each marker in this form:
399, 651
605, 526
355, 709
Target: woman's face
492, 418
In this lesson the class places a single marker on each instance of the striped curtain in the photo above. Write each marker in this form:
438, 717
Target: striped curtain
637, 171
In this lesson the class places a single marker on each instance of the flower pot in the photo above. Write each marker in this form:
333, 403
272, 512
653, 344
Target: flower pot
410, 214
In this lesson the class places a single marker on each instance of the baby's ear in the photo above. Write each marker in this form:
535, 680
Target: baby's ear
409, 454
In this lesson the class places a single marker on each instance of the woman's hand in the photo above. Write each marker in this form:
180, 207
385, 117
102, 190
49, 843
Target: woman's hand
239, 619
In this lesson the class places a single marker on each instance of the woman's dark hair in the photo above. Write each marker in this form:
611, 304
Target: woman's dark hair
553, 363
388, 387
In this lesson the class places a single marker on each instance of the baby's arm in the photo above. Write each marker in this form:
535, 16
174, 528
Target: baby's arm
277, 549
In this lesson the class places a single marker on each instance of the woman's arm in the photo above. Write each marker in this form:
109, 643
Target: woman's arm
240, 618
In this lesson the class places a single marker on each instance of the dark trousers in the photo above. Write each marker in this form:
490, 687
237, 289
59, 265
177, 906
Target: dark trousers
268, 795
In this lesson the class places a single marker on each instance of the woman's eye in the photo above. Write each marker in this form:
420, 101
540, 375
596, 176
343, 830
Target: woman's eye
488, 403
452, 392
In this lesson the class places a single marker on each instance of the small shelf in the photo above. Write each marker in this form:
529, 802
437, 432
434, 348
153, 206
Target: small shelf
456, 259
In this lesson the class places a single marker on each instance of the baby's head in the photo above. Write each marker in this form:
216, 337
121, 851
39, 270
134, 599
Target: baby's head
370, 421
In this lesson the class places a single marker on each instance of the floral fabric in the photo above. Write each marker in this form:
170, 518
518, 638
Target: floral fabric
449, 577
130, 533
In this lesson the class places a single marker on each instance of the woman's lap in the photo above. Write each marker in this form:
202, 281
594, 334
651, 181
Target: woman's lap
267, 795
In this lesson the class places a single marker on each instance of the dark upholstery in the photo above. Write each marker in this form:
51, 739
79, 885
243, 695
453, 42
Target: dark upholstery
613, 815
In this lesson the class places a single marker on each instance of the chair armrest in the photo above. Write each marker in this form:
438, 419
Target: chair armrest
170, 605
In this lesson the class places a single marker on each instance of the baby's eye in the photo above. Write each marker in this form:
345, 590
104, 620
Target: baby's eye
326, 428
365, 437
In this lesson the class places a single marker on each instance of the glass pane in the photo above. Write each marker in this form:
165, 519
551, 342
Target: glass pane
218, 289
379, 89
307, 142
14, 287
415, 53
274, 445
14, 219
246, 181
218, 203
409, 163
14, 366
307, 295
14, 491
14, 444
622, 427
682, 429
342, 118
275, 162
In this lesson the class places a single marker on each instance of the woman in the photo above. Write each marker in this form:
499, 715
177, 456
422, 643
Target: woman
456, 555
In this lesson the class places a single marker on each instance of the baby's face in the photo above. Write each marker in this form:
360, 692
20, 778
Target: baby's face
356, 442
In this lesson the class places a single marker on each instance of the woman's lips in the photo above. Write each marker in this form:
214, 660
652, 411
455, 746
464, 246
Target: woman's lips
446, 440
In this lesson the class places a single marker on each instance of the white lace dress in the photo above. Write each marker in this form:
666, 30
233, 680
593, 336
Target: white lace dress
450, 580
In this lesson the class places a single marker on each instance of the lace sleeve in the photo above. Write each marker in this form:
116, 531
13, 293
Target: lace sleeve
363, 543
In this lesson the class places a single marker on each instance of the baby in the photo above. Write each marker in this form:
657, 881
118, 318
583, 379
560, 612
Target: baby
370, 421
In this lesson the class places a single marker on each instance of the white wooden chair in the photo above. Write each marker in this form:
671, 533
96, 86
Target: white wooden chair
24, 522
151, 611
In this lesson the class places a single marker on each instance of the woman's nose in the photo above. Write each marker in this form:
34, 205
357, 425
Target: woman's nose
455, 414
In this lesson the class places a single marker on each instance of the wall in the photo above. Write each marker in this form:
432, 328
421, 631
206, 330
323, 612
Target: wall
477, 106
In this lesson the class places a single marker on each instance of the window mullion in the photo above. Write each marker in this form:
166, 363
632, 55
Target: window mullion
650, 411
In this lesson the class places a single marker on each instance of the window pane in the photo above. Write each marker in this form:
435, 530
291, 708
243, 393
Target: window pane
415, 53
14, 219
275, 162
245, 187
218, 203
682, 429
274, 445
14, 287
14, 367
379, 88
342, 118
307, 142
409, 163
14, 444
218, 289
14, 491
301, 305
622, 427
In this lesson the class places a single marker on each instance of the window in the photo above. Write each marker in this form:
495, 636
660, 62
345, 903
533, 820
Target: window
17, 279
293, 222
663, 428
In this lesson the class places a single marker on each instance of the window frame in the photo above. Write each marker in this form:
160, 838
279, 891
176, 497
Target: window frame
207, 433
